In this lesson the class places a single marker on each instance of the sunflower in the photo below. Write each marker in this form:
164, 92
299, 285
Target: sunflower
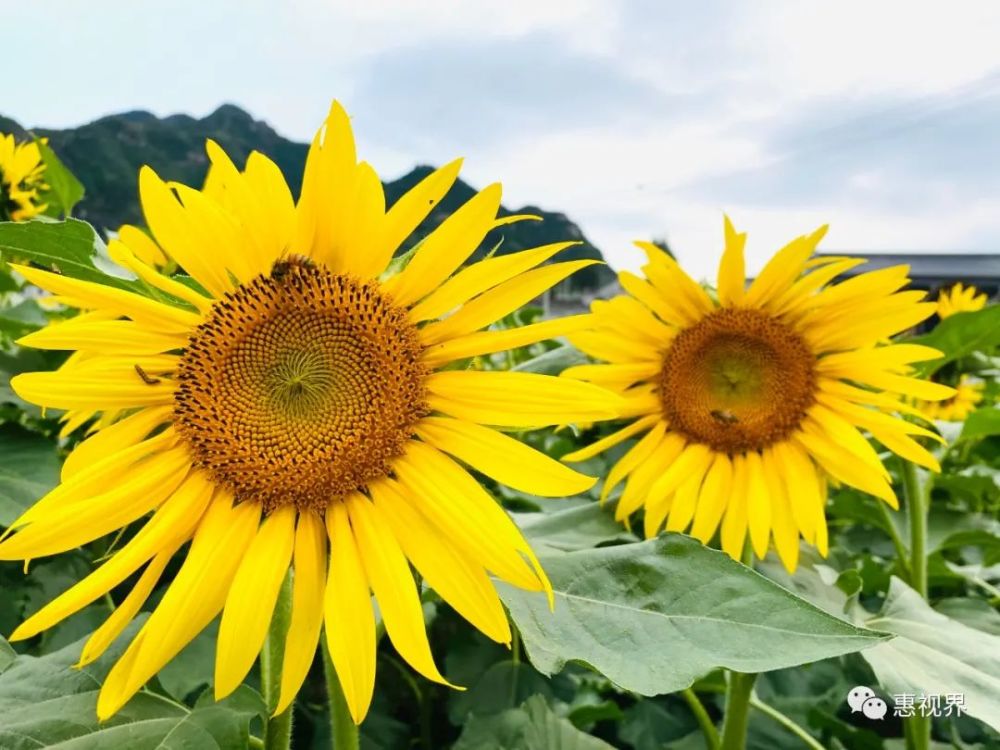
968, 394
21, 171
749, 403
294, 404
959, 299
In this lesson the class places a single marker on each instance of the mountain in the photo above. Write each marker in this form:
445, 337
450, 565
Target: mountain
106, 156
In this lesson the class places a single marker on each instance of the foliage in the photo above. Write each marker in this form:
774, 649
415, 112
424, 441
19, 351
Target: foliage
633, 655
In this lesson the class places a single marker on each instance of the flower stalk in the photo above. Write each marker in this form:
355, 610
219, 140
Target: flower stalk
343, 731
278, 734
917, 728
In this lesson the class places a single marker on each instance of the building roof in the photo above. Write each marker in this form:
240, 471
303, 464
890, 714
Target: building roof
935, 269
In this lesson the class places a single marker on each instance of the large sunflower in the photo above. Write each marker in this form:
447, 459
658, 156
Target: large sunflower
750, 402
21, 173
294, 404
960, 299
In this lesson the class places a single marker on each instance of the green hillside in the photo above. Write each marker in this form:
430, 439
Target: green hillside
106, 156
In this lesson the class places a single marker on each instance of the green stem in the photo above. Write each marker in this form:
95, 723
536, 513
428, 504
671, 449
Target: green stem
786, 722
704, 721
278, 733
343, 730
917, 728
902, 556
734, 725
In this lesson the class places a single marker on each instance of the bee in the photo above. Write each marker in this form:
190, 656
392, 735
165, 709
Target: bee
146, 378
283, 266
724, 416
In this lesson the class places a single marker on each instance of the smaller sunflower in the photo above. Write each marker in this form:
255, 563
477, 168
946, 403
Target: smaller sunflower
959, 299
968, 394
750, 402
21, 170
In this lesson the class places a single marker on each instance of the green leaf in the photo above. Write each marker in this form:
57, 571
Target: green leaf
962, 334
975, 613
532, 727
648, 725
503, 686
7, 654
653, 617
65, 191
554, 361
21, 319
935, 655
70, 247
29, 469
575, 528
981, 423
46, 702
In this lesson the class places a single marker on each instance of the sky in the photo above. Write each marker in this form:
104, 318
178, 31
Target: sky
638, 119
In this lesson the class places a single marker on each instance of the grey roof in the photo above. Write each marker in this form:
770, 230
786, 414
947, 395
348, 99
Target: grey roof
983, 268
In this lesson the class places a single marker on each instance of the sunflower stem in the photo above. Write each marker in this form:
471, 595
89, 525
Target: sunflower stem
773, 713
917, 728
902, 556
704, 720
739, 689
343, 730
278, 734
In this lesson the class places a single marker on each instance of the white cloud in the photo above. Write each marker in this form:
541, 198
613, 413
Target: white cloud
635, 117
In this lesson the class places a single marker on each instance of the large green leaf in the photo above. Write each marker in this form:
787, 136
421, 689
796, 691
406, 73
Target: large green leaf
21, 319
574, 528
46, 702
69, 247
533, 726
962, 334
65, 191
29, 467
981, 423
654, 616
935, 655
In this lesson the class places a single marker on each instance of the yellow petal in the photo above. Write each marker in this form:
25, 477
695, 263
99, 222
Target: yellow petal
786, 535
105, 337
488, 342
783, 269
86, 294
350, 621
142, 245
734, 524
132, 495
503, 458
461, 583
177, 232
502, 300
636, 455
194, 598
732, 274
457, 504
759, 508
480, 277
392, 582
712, 499
251, 598
308, 592
612, 440
446, 248
124, 613
413, 207
108, 441
518, 399
172, 525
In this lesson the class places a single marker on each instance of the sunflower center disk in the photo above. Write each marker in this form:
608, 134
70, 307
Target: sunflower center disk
300, 387
737, 381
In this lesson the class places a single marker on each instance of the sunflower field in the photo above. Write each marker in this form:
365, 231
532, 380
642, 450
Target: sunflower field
272, 478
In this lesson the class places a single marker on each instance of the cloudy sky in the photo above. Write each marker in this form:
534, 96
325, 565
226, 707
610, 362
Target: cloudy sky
637, 118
